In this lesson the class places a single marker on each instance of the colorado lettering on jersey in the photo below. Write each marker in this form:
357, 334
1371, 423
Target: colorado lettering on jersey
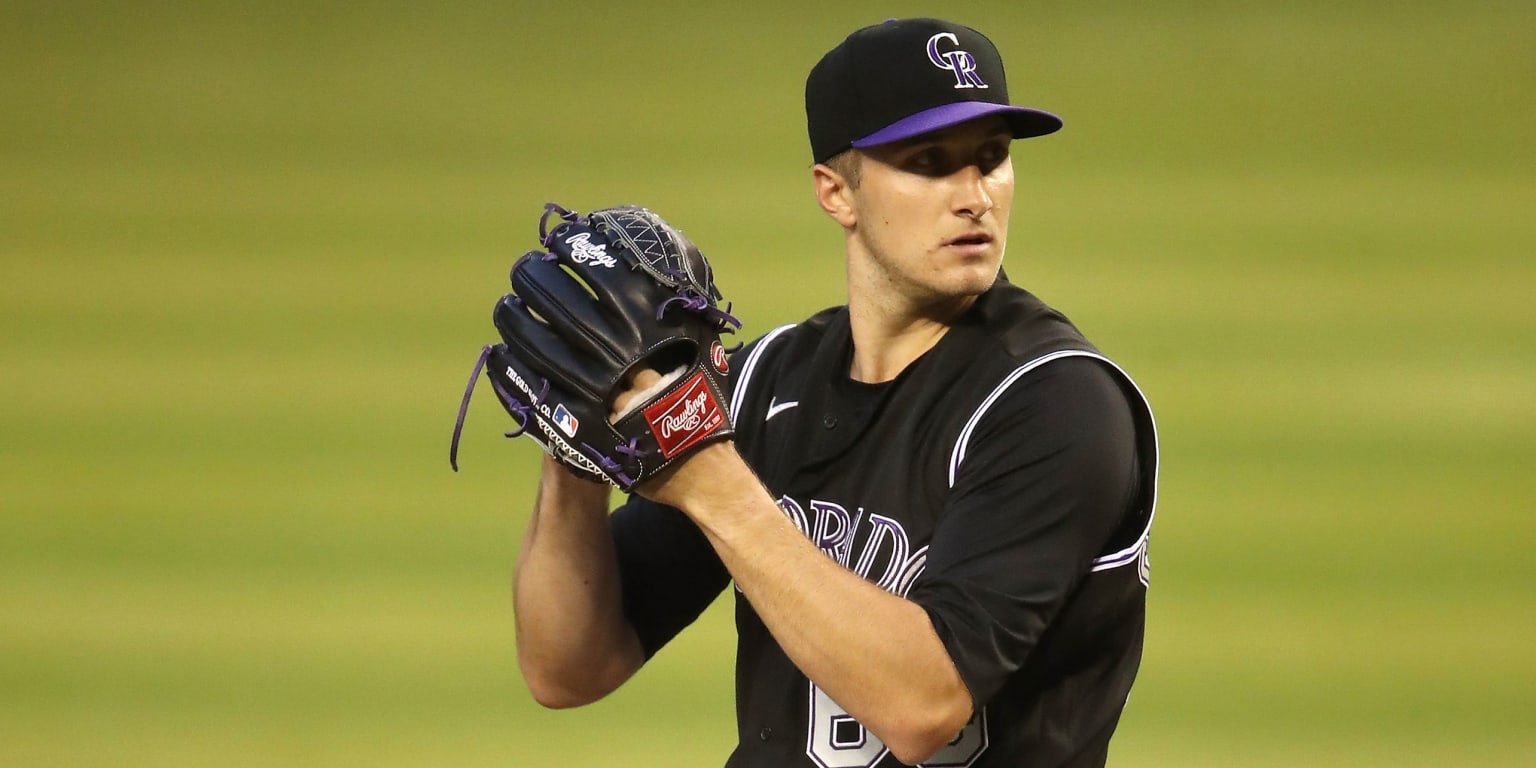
871, 545
878, 549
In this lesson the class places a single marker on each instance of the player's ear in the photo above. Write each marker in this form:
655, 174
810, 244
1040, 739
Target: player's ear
834, 194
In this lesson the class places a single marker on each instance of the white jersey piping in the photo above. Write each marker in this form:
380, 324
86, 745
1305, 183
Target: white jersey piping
739, 396
1130, 554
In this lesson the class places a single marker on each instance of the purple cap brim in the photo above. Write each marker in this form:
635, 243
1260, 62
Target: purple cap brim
1024, 121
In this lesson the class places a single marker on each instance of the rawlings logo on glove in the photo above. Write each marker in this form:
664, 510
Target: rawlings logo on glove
615, 291
683, 418
584, 252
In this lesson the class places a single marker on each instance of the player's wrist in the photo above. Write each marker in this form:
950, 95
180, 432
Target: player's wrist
557, 480
702, 480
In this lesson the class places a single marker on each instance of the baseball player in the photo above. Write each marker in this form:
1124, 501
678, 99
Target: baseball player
936, 501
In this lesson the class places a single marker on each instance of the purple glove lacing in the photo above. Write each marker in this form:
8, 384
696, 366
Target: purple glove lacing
631, 449
725, 322
469, 389
521, 412
547, 235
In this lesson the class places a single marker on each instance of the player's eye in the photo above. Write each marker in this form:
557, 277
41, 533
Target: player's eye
927, 160
991, 155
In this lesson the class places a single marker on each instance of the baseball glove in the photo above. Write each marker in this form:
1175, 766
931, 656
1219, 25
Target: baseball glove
612, 292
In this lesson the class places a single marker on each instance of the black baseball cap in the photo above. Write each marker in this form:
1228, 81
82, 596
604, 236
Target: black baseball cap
906, 77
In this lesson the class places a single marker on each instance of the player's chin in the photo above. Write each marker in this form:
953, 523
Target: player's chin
952, 292
971, 278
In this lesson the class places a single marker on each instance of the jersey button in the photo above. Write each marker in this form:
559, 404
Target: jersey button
829, 421
765, 733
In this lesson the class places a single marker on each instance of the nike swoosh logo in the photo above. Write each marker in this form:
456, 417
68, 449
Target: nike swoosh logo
775, 407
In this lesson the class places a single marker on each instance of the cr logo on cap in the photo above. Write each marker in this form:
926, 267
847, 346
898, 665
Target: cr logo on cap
962, 63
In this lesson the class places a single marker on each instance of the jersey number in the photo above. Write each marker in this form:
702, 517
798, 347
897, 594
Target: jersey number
838, 741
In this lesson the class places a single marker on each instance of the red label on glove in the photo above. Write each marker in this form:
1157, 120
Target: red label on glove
717, 357
684, 417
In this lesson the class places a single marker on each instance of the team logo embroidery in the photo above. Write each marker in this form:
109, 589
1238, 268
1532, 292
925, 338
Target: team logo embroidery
584, 251
565, 420
717, 358
962, 63
684, 417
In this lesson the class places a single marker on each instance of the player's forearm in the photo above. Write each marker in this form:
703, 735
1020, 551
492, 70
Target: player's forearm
876, 654
574, 645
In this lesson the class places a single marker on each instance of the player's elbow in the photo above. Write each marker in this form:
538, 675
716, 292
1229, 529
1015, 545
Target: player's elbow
569, 683
554, 693
917, 735
559, 698
560, 675
550, 699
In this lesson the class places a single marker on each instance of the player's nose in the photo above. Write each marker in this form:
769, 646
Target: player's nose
969, 194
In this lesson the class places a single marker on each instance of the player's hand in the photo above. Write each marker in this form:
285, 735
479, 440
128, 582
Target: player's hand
679, 483
605, 293
635, 385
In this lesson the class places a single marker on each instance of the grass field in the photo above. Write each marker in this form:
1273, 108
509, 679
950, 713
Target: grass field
248, 253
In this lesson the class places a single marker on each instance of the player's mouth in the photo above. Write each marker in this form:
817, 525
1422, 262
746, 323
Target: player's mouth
970, 243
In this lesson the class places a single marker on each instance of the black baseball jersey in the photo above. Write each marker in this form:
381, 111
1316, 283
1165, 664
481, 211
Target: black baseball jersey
1004, 481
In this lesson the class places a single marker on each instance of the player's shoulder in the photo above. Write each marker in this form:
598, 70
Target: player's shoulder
758, 364
789, 338
814, 325
1020, 354
1014, 326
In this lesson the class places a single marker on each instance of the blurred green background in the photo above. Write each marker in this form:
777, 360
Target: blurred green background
248, 253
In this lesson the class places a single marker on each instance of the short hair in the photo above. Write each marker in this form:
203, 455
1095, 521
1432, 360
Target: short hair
848, 164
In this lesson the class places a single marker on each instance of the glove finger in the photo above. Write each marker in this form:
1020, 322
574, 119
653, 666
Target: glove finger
517, 385
607, 260
541, 412
566, 306
535, 343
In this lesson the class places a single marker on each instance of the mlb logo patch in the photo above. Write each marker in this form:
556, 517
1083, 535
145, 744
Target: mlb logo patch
564, 420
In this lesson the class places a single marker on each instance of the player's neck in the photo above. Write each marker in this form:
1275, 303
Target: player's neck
888, 337
894, 319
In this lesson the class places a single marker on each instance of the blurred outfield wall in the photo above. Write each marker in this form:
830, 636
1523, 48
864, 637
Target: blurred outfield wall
248, 253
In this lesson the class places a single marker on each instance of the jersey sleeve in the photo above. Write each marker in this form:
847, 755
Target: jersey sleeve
1049, 475
668, 572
